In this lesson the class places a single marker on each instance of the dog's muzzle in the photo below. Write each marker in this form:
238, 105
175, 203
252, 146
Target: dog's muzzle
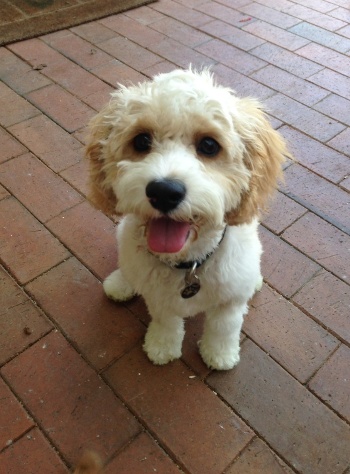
165, 194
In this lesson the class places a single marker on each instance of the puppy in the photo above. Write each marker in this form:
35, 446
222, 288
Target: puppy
188, 165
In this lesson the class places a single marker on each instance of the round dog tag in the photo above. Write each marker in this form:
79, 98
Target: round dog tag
191, 290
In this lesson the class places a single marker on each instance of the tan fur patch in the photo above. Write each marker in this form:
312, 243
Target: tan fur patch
265, 151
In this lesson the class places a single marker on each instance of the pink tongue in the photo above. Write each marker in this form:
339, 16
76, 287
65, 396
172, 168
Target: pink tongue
166, 235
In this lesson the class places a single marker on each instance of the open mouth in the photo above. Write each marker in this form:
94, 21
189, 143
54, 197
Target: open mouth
165, 235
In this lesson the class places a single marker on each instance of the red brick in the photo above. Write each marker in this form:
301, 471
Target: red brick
9, 146
25, 173
63, 393
142, 456
80, 83
327, 57
49, 142
36, 53
290, 85
303, 118
324, 21
313, 192
3, 193
331, 383
14, 421
319, 158
346, 183
31, 454
230, 34
89, 235
180, 54
181, 13
21, 323
27, 248
222, 12
132, 29
184, 34
63, 71
116, 73
257, 458
82, 134
341, 13
278, 5
322, 242
190, 352
327, 300
322, 36
290, 337
269, 15
14, 108
65, 109
144, 15
138, 307
170, 402
159, 68
276, 35
318, 5
344, 31
129, 53
78, 176
291, 420
286, 60
283, 267
243, 85
19, 75
336, 107
332, 81
341, 142
77, 49
228, 55
282, 212
229, 3
74, 299
94, 32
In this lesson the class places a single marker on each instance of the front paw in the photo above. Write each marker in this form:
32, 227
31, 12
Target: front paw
223, 358
162, 348
117, 288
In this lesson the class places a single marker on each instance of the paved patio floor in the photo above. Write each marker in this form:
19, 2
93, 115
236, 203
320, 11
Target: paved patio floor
73, 375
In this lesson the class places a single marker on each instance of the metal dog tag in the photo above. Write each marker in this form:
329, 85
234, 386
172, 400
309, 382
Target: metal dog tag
192, 283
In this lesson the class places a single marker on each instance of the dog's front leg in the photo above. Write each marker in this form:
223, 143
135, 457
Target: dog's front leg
219, 346
163, 341
117, 288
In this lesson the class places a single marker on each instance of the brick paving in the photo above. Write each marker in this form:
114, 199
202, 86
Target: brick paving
72, 372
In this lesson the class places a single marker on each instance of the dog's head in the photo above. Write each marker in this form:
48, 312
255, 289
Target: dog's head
182, 152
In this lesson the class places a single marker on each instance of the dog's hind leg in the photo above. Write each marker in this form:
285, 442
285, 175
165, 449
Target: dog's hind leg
117, 288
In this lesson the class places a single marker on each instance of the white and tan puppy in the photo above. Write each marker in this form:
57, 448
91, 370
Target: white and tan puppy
188, 165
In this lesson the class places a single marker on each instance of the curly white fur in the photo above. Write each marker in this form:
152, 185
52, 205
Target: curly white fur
176, 111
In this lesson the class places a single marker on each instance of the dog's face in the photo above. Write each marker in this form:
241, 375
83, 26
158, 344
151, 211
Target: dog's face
184, 155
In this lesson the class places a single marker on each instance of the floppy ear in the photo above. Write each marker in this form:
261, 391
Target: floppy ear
101, 192
264, 153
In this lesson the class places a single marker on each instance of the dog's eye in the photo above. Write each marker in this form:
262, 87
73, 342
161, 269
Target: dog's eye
142, 142
208, 147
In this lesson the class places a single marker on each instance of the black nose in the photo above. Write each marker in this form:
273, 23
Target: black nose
165, 194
